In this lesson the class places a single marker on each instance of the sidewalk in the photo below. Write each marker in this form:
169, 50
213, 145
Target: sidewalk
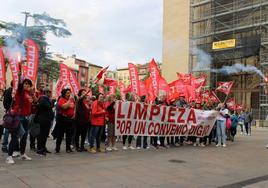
187, 166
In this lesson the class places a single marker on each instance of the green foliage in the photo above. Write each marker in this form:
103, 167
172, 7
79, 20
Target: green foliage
43, 24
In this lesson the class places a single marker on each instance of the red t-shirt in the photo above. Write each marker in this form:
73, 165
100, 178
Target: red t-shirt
23, 108
69, 112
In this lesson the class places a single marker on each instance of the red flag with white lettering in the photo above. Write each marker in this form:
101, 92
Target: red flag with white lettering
134, 78
14, 67
2, 70
186, 78
65, 76
30, 68
225, 87
73, 82
155, 76
173, 93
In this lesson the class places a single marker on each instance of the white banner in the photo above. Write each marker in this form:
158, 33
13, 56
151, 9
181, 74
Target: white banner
133, 118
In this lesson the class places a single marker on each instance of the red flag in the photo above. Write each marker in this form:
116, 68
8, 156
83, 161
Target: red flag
2, 70
100, 74
149, 88
109, 82
186, 78
225, 87
128, 89
143, 90
134, 78
59, 86
213, 97
163, 85
30, 68
205, 95
173, 93
65, 76
155, 76
231, 104
73, 82
14, 67
122, 90
101, 89
239, 107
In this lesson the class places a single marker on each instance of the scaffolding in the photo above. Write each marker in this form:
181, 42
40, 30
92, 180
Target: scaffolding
246, 21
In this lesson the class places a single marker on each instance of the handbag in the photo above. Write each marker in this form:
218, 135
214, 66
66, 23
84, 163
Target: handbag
228, 123
34, 127
11, 121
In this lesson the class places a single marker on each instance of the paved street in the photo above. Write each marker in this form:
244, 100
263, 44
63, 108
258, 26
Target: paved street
242, 163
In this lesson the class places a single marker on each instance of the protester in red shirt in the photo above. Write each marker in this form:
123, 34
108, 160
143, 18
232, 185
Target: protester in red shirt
111, 123
82, 116
66, 106
22, 106
97, 123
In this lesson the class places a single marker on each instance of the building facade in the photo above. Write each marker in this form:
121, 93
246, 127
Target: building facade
175, 38
233, 32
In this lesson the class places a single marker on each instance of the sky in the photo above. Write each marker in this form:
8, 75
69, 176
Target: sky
104, 32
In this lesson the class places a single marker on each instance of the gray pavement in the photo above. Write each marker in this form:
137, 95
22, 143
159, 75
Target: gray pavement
243, 163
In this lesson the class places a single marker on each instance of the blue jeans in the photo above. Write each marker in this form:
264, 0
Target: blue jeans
5, 139
95, 135
221, 135
15, 139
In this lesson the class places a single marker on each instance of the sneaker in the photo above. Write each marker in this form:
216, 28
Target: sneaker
124, 147
177, 145
9, 160
138, 148
241, 133
25, 157
69, 150
109, 149
195, 145
100, 150
41, 153
16, 154
131, 147
249, 134
148, 147
202, 145
267, 146
224, 145
218, 145
114, 148
92, 150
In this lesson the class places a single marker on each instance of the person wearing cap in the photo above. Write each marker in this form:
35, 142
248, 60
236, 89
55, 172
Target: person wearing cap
44, 117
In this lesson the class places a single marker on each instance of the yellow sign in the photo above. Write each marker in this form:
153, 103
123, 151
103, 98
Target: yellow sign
223, 44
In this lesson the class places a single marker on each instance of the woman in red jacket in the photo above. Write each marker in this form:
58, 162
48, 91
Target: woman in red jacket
22, 106
66, 106
97, 123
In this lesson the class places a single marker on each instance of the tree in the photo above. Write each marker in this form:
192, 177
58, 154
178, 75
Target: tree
43, 24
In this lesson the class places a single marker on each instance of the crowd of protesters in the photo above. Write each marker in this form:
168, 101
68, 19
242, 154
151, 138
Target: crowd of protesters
89, 120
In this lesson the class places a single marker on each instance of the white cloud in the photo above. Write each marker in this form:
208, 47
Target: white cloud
105, 32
